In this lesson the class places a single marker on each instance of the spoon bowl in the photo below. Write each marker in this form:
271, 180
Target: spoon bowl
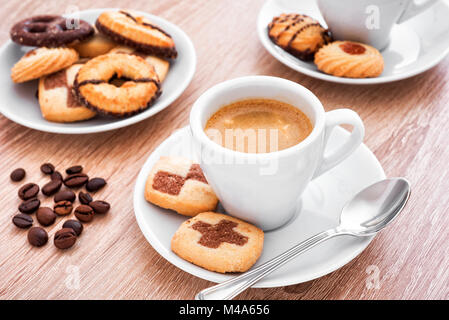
373, 208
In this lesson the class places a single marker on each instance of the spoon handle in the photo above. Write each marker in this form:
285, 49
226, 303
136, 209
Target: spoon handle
231, 288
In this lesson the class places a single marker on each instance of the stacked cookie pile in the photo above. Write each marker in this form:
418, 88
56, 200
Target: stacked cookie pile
211, 240
64, 201
304, 37
115, 68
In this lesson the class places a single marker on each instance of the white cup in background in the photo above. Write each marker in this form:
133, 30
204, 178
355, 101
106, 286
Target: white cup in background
368, 21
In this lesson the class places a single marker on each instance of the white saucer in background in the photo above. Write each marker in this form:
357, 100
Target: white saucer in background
18, 102
321, 205
415, 45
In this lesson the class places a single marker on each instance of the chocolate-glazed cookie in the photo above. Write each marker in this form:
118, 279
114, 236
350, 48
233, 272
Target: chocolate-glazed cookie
94, 85
132, 30
298, 34
50, 31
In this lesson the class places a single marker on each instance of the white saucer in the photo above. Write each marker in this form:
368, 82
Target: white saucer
415, 46
19, 102
321, 205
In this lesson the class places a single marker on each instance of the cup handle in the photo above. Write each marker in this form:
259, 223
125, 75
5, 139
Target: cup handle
333, 119
413, 9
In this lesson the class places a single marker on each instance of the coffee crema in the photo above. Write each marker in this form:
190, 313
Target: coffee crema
258, 126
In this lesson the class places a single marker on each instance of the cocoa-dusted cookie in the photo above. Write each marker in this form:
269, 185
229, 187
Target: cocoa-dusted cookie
94, 46
57, 100
130, 29
94, 89
298, 34
42, 61
218, 242
161, 66
179, 184
350, 59
50, 31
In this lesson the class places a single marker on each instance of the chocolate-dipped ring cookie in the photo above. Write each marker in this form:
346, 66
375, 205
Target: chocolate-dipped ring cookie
135, 31
95, 88
50, 31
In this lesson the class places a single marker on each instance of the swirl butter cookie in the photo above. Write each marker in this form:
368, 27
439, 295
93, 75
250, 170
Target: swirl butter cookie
130, 29
57, 100
160, 65
349, 59
218, 242
179, 184
42, 61
94, 47
95, 88
298, 34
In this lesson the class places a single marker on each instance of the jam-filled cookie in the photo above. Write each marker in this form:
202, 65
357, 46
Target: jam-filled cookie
130, 29
218, 242
95, 46
160, 65
350, 59
179, 184
50, 31
298, 34
94, 87
42, 61
57, 100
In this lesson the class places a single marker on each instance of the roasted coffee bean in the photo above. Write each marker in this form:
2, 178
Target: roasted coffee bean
18, 175
65, 195
47, 168
63, 208
85, 198
45, 216
28, 191
76, 180
95, 184
84, 213
65, 238
74, 169
52, 187
100, 206
37, 236
56, 176
22, 221
75, 225
29, 206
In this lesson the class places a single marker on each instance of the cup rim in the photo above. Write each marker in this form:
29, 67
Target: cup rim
200, 106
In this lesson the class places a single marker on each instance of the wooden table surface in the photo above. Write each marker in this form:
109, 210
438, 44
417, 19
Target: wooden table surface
406, 127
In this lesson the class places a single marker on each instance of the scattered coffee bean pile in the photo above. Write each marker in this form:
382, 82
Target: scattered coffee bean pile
63, 204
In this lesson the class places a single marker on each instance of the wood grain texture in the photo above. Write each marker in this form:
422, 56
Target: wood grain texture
407, 129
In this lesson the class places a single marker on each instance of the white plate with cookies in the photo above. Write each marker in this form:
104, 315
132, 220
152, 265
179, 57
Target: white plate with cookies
51, 111
415, 46
167, 231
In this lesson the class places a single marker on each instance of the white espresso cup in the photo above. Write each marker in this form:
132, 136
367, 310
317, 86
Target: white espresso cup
265, 188
368, 21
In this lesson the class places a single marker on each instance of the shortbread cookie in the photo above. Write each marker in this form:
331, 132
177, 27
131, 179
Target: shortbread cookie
160, 65
130, 29
57, 100
350, 59
42, 61
298, 34
95, 46
50, 31
137, 93
179, 184
218, 242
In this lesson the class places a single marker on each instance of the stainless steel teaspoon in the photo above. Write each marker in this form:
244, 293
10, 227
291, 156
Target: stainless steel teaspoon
367, 213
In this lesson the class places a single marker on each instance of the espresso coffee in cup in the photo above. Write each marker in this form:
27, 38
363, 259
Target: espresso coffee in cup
258, 126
